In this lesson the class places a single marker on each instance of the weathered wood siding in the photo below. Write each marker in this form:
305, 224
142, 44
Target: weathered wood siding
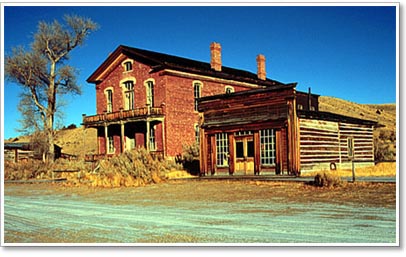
325, 142
363, 142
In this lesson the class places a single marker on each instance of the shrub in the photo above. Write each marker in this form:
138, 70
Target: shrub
327, 180
26, 169
131, 168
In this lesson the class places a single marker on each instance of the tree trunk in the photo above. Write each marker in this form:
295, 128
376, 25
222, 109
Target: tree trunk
50, 113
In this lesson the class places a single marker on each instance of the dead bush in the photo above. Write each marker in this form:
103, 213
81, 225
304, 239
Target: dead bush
26, 169
131, 168
327, 180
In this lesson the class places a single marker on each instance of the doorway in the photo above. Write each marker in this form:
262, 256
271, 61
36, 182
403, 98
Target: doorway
244, 153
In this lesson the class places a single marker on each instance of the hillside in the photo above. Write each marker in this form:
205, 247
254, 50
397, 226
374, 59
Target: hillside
384, 114
76, 141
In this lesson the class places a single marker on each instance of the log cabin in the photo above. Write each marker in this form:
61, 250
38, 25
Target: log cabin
149, 99
278, 130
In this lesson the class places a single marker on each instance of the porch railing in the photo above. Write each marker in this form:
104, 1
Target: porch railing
123, 114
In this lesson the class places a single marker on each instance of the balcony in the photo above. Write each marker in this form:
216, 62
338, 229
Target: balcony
129, 115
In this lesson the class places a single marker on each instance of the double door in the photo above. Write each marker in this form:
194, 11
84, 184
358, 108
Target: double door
244, 155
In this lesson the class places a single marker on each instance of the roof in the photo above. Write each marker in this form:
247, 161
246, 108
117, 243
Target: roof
328, 116
247, 92
23, 146
160, 61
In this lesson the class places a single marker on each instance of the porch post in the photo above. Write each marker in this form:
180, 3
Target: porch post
122, 137
163, 138
257, 153
106, 142
231, 159
147, 135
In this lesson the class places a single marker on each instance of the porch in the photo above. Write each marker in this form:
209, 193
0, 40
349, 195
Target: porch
128, 129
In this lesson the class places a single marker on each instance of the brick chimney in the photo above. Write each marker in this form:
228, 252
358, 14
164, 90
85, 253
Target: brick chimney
215, 51
261, 67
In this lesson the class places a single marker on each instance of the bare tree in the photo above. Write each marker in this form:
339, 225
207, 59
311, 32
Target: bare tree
42, 72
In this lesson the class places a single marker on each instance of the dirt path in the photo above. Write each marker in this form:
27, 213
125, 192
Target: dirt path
201, 212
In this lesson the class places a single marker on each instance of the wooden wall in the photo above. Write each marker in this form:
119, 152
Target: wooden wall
325, 142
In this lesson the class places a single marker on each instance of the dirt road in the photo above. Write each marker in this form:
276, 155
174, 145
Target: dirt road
201, 212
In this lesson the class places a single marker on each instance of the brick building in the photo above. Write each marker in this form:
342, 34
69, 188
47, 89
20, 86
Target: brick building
149, 99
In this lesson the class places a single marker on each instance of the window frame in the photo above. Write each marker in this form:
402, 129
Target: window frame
109, 92
129, 95
267, 138
229, 90
110, 145
149, 89
127, 65
222, 150
152, 141
197, 93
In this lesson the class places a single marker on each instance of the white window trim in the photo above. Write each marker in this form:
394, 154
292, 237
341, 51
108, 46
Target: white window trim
229, 87
106, 97
146, 89
200, 93
123, 64
123, 89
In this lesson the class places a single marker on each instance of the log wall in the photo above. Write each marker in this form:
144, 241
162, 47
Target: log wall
325, 142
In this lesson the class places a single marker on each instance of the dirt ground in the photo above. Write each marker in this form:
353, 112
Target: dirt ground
193, 211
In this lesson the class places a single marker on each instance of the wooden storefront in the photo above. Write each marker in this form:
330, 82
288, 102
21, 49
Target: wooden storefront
250, 132
261, 132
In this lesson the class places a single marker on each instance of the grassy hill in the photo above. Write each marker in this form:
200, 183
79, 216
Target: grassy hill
75, 141
384, 114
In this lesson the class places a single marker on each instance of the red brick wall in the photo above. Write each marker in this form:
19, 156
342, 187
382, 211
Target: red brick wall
141, 73
180, 115
176, 94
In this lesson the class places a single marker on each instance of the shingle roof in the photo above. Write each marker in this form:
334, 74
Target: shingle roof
159, 61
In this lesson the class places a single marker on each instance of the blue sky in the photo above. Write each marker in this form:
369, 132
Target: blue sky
347, 52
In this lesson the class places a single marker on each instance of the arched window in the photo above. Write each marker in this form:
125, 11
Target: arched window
109, 96
109, 99
129, 95
127, 65
197, 90
150, 92
229, 89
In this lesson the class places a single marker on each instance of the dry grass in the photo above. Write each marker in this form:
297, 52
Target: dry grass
384, 169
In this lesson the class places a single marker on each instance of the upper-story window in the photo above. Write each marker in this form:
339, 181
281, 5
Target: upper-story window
109, 98
229, 90
197, 89
127, 65
150, 93
129, 95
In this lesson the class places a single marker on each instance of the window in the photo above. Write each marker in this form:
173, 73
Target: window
300, 107
268, 153
129, 95
152, 143
222, 149
109, 97
250, 148
239, 149
110, 144
197, 89
128, 66
197, 133
229, 90
150, 93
